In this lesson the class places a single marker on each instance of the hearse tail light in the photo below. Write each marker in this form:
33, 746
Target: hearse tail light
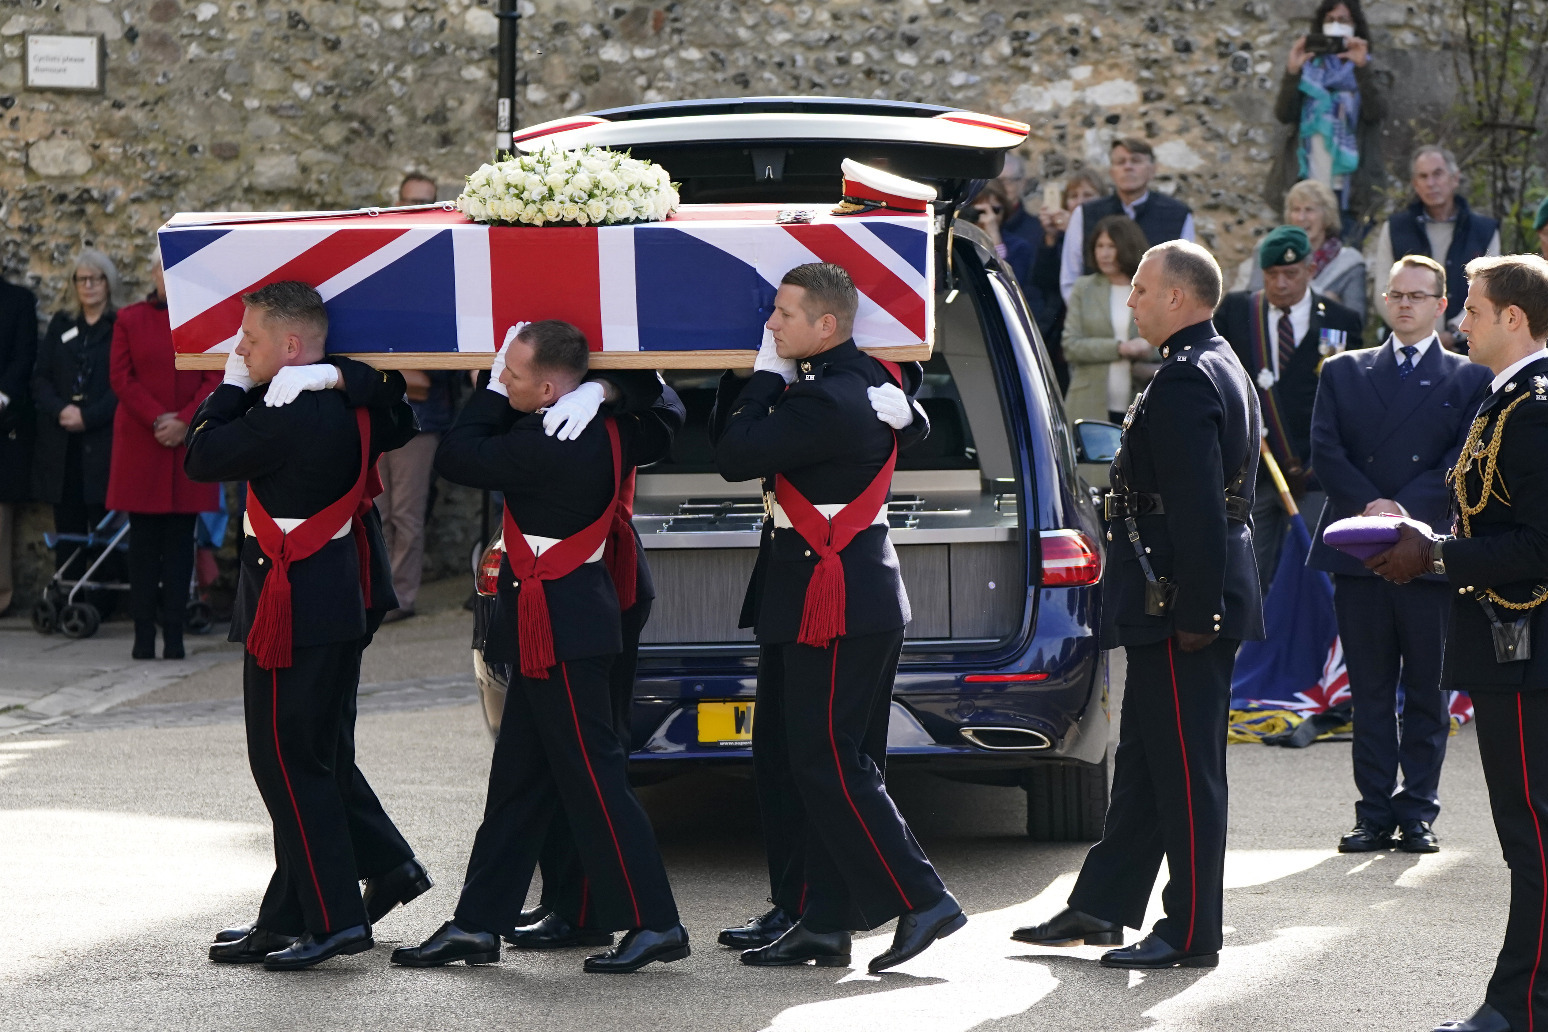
1005, 678
558, 125
486, 581
1004, 125
1069, 559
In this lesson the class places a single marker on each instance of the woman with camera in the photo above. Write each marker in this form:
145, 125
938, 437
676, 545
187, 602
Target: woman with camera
1329, 99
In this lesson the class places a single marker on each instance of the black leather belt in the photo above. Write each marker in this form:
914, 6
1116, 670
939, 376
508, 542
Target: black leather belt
1121, 505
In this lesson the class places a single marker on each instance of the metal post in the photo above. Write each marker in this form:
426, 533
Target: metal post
509, 15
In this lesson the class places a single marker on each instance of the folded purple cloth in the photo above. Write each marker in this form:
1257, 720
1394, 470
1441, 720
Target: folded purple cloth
1365, 536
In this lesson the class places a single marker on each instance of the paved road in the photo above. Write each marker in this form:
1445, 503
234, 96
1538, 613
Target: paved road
124, 848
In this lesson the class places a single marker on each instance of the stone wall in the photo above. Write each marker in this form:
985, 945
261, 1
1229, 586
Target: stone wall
267, 105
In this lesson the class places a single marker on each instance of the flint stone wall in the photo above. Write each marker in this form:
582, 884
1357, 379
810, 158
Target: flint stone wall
315, 104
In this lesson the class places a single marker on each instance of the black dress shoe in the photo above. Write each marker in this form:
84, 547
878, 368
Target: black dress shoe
553, 932
233, 934
1070, 927
917, 929
450, 944
800, 944
1365, 837
1484, 1019
1419, 837
409, 880
532, 917
251, 948
1153, 952
760, 931
306, 951
640, 947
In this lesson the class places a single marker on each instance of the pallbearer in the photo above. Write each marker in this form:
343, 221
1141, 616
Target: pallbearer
557, 622
307, 599
828, 606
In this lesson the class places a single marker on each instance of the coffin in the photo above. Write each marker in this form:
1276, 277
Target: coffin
425, 288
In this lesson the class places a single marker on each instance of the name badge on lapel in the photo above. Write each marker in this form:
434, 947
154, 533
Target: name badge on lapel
68, 335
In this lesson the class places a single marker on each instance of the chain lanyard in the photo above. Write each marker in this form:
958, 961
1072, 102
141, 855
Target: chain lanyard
1474, 449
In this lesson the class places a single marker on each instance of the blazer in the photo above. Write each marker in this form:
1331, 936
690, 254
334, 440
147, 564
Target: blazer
1195, 427
1508, 548
18, 352
64, 369
1089, 347
1375, 435
1296, 390
145, 476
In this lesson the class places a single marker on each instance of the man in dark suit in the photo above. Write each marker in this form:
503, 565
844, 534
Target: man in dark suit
1498, 564
311, 590
557, 623
18, 347
1180, 593
1281, 334
828, 607
1388, 424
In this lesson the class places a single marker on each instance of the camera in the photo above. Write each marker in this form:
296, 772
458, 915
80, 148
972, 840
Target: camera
1317, 43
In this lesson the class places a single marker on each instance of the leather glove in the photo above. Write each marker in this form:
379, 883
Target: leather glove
290, 381
768, 360
891, 405
236, 372
1193, 641
567, 417
1407, 559
498, 365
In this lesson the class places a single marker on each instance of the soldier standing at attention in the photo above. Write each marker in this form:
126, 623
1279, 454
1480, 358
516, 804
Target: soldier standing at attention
1497, 562
1180, 594
828, 607
308, 598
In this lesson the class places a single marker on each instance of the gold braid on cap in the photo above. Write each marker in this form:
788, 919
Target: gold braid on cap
1488, 468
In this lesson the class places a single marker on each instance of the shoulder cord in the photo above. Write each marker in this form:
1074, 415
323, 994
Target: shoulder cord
1475, 448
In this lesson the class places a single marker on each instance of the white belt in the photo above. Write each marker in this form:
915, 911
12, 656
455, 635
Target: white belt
288, 523
782, 520
540, 544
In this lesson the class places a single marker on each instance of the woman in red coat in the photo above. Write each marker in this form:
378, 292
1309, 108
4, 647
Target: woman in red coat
155, 403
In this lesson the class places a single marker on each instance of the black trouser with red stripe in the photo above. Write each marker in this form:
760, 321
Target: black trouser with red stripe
1511, 731
329, 828
1168, 797
558, 749
820, 713
565, 890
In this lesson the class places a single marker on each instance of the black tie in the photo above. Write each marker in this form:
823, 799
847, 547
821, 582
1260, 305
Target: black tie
1286, 341
1407, 365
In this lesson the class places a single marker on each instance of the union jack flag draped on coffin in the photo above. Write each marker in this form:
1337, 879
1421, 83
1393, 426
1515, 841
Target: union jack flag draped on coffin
429, 281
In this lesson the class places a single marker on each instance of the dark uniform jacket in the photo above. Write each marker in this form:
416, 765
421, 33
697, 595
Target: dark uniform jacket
823, 435
1186, 438
299, 459
74, 372
1295, 392
554, 489
18, 352
1376, 435
1508, 548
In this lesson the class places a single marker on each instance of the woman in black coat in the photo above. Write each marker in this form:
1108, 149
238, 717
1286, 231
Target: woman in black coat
74, 399
18, 348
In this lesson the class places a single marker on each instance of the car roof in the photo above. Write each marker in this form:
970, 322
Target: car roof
791, 148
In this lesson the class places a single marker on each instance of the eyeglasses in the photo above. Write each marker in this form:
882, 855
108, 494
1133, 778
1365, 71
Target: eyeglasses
86, 281
1416, 297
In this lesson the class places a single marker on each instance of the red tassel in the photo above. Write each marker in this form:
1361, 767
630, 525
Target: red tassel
269, 639
623, 561
363, 553
822, 617
534, 630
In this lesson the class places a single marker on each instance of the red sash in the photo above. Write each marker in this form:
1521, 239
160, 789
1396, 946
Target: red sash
622, 557
270, 637
822, 615
534, 626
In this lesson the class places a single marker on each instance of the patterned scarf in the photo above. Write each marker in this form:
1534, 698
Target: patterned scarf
1325, 254
1331, 110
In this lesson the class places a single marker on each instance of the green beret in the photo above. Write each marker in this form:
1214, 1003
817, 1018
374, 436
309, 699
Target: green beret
1542, 216
1284, 245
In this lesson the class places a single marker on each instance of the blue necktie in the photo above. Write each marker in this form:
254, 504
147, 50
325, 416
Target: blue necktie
1407, 365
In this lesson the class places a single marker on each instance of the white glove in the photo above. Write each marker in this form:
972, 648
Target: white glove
891, 405
768, 360
498, 365
567, 417
5, 401
236, 372
290, 381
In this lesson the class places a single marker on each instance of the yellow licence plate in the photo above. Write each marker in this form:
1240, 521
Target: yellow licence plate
725, 723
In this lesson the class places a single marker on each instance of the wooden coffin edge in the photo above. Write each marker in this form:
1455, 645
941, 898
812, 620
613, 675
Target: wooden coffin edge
738, 359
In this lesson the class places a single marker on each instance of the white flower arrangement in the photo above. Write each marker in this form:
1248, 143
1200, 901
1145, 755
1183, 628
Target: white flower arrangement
592, 186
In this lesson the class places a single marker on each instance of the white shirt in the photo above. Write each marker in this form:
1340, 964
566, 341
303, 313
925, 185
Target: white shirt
1072, 260
1118, 310
1423, 346
1513, 369
1300, 322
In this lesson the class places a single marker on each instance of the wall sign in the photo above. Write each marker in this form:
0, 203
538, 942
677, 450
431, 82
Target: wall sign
64, 63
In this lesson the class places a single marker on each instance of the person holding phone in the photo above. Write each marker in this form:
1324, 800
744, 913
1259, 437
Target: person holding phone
1329, 99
